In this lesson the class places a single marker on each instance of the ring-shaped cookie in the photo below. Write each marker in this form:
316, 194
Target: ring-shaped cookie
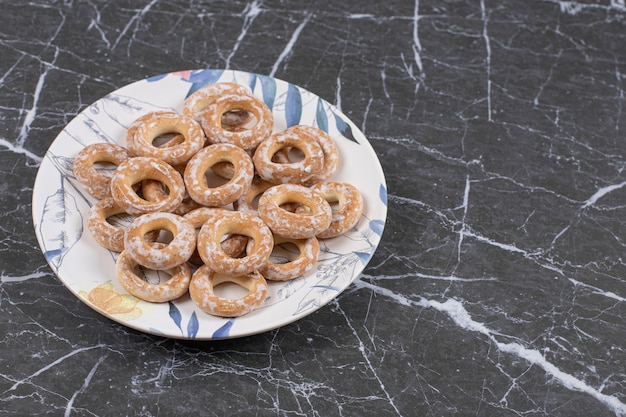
155, 190
329, 149
247, 139
283, 172
195, 175
105, 233
158, 257
225, 169
235, 223
202, 292
142, 133
97, 182
296, 225
134, 170
287, 267
173, 288
248, 201
233, 245
200, 99
349, 206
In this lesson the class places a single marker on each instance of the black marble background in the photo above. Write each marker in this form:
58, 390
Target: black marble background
499, 286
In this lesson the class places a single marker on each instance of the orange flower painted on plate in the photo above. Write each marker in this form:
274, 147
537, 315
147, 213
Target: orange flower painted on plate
120, 306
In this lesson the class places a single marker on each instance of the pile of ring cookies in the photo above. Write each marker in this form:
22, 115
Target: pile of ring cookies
274, 189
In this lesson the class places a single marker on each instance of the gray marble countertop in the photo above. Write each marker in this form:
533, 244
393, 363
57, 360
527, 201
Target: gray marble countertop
499, 285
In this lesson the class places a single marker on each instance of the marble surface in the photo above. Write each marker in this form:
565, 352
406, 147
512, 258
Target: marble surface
498, 288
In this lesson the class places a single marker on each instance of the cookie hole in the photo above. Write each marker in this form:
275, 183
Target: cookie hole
284, 253
213, 180
158, 192
121, 220
288, 155
168, 139
229, 290
104, 168
234, 246
237, 119
335, 205
151, 276
295, 155
294, 207
164, 236
223, 170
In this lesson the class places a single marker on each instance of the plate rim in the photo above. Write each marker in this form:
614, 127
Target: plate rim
288, 319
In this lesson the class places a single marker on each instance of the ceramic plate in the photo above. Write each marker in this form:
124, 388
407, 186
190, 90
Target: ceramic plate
60, 206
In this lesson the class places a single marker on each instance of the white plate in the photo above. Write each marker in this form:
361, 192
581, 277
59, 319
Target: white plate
87, 269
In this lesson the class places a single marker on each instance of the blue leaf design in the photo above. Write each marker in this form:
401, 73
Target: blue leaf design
293, 106
382, 193
154, 330
363, 256
268, 85
156, 78
344, 128
207, 76
320, 116
252, 82
193, 325
175, 314
201, 78
377, 226
53, 254
224, 330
